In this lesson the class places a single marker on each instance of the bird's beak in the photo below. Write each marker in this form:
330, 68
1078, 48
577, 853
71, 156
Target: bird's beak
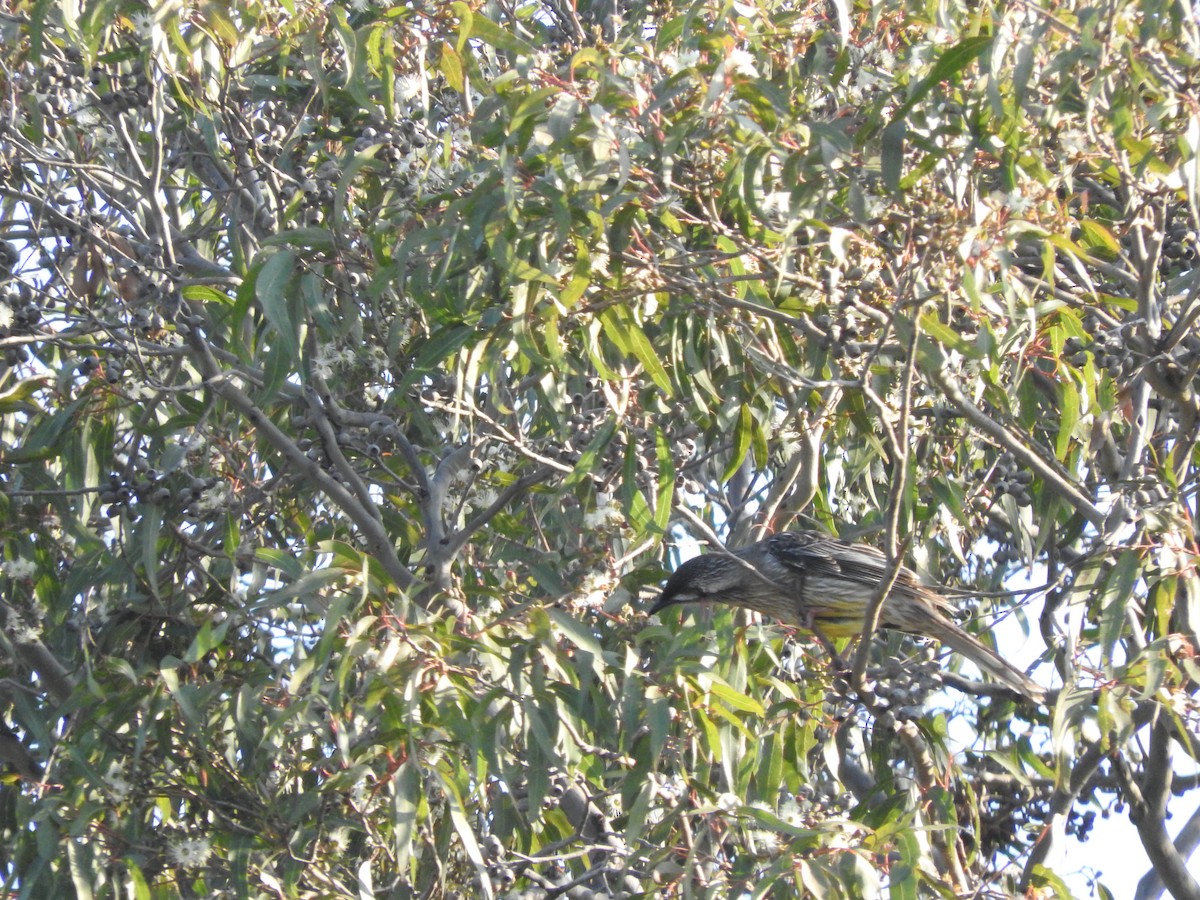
660, 604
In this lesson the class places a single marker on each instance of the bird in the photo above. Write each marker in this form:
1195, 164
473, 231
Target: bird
825, 585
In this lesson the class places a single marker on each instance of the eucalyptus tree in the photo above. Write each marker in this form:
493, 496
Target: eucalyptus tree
366, 369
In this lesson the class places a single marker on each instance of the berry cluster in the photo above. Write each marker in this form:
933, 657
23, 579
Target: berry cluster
316, 192
20, 311
393, 141
1181, 244
270, 126
144, 486
23, 312
840, 332
372, 440
898, 690
999, 530
1079, 824
901, 687
1110, 347
8, 259
810, 804
112, 367
195, 497
153, 302
120, 92
1009, 479
60, 87
1008, 811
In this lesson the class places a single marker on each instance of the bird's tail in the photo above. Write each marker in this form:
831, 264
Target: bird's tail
991, 662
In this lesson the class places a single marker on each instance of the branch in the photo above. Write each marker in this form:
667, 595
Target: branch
455, 542
1032, 459
897, 437
804, 468
329, 440
944, 841
35, 655
379, 543
987, 688
1148, 811
1151, 885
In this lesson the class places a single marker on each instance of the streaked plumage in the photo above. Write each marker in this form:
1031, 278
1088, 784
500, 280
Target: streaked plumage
822, 584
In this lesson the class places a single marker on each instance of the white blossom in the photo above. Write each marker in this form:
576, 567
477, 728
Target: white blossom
677, 62
189, 853
215, 498
119, 787
1017, 203
19, 569
594, 589
483, 499
22, 631
791, 813
740, 62
767, 841
728, 802
410, 87
605, 512
143, 25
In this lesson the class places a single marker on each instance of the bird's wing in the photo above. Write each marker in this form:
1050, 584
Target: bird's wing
813, 554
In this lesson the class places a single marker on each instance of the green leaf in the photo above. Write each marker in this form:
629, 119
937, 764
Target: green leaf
44, 441
892, 154
141, 889
18, 397
466, 834
1069, 406
1042, 877
474, 25
736, 699
664, 499
941, 332
271, 288
183, 694
440, 344
580, 636
952, 61
451, 66
758, 444
903, 883
283, 560
590, 456
629, 338
1117, 593
742, 436
771, 821
151, 526
406, 791
208, 639
1097, 237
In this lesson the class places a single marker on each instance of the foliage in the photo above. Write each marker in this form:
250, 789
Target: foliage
363, 364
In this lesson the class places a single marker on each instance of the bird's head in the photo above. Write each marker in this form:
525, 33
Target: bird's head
710, 577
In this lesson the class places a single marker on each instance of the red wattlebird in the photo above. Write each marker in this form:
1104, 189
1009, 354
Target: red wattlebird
825, 585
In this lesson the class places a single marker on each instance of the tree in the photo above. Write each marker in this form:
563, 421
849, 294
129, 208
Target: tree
366, 368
